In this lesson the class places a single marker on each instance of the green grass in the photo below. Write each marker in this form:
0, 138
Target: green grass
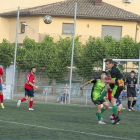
67, 123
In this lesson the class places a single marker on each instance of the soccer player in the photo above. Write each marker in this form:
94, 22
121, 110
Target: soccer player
1, 94
131, 90
29, 89
95, 94
118, 102
116, 84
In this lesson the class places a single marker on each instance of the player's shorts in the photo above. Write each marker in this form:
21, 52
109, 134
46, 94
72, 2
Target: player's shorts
118, 102
116, 90
28, 92
0, 86
131, 92
95, 101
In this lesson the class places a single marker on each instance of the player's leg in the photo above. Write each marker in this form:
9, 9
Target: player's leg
31, 99
100, 115
134, 99
23, 99
106, 105
1, 96
105, 91
115, 95
119, 105
129, 99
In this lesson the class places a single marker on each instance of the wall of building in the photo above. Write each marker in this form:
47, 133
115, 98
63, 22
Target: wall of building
33, 22
133, 7
4, 28
86, 27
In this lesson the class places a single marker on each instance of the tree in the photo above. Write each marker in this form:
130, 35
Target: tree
6, 53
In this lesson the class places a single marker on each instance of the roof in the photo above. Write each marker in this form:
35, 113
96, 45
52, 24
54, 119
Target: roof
85, 9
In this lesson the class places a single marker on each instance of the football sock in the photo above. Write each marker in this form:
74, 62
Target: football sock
113, 116
31, 103
103, 110
1, 97
134, 102
118, 112
115, 108
99, 116
23, 99
103, 94
129, 104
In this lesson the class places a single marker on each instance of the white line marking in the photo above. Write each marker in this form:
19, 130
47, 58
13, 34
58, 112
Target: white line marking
93, 134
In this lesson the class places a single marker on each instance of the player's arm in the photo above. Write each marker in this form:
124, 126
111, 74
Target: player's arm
91, 81
84, 85
31, 84
137, 88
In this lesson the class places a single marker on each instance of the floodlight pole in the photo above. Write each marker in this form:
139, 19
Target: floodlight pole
15, 51
72, 50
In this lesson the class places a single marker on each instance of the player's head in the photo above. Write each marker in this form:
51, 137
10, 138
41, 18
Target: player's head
109, 63
103, 74
132, 73
33, 70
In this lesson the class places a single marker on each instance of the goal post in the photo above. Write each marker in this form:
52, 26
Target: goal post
126, 60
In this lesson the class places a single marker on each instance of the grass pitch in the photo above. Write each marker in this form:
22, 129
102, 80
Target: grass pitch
64, 122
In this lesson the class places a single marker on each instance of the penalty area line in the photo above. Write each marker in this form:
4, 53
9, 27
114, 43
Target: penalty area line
73, 131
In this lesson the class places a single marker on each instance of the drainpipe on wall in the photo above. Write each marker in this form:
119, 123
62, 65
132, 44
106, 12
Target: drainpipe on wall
136, 31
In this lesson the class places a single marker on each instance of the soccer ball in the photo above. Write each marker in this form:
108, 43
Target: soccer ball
47, 19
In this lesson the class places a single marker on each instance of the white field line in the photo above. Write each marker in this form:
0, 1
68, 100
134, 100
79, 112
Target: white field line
57, 129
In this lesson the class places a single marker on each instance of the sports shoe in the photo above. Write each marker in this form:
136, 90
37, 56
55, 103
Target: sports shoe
31, 109
111, 117
113, 122
101, 118
132, 109
2, 106
18, 103
129, 110
116, 120
57, 99
101, 122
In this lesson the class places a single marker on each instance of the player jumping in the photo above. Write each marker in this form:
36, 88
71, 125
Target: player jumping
1, 94
118, 102
131, 90
29, 89
95, 94
116, 84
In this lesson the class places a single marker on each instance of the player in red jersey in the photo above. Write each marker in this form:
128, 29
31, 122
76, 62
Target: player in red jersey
118, 103
29, 89
1, 94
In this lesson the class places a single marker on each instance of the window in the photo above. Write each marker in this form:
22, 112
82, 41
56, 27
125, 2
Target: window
22, 28
114, 31
67, 28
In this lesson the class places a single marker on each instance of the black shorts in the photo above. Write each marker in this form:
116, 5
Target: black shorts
101, 101
131, 92
29, 93
116, 90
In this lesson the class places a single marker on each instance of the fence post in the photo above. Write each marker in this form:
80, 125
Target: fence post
86, 97
72, 50
15, 51
46, 95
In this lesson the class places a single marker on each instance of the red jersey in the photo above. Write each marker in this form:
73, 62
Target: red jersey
30, 78
1, 73
109, 92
